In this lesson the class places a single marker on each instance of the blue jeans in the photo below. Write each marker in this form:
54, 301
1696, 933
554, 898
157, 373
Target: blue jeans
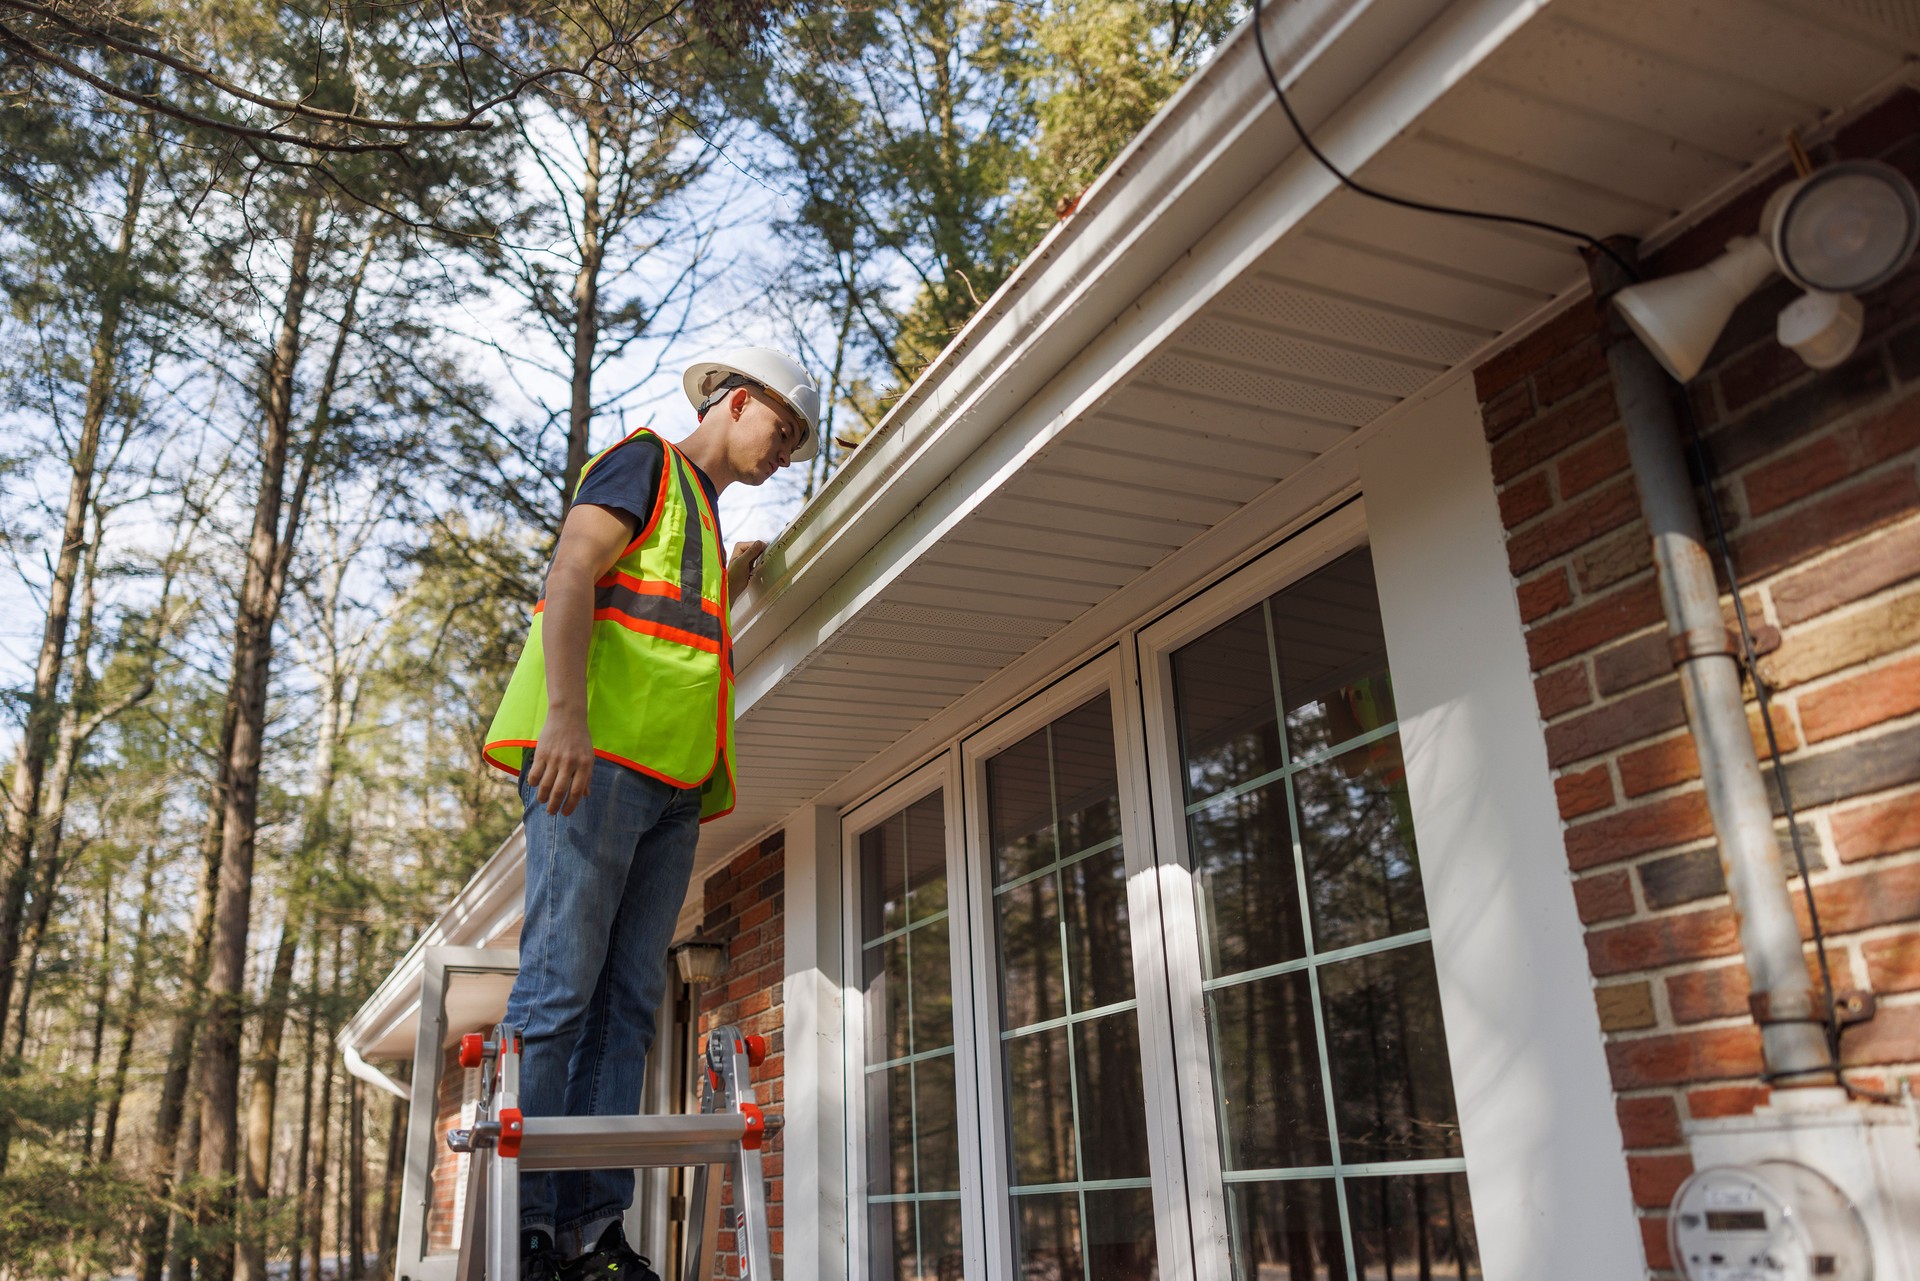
604, 888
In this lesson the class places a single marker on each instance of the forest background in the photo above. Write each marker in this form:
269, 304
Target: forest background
312, 313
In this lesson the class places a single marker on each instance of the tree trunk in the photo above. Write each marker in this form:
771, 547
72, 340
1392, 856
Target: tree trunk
303, 1158
317, 1225
356, 1180
23, 798
136, 993
186, 1224
247, 695
103, 969
390, 1187
586, 318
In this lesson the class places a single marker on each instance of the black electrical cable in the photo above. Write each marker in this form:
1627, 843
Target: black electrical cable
1702, 469
1423, 206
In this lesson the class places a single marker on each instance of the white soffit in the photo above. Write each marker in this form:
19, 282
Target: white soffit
1265, 336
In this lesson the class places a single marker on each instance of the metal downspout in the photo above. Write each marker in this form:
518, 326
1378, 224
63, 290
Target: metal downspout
1792, 1022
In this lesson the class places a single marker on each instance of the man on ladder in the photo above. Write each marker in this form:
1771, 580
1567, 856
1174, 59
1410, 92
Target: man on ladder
618, 723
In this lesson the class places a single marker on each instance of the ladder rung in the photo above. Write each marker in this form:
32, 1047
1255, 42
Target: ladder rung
616, 1143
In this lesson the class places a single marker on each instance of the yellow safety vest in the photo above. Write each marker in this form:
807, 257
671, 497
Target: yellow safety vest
660, 665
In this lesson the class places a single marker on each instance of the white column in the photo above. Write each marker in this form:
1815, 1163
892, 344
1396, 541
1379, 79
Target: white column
815, 1187
1544, 1156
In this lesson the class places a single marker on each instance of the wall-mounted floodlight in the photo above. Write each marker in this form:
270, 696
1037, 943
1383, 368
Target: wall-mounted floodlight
1846, 228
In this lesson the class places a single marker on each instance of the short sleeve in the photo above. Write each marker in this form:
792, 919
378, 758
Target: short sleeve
626, 478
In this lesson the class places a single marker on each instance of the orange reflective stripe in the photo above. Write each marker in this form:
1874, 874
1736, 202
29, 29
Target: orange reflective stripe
645, 586
647, 627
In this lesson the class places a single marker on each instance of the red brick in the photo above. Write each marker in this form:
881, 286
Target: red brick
1604, 897
1893, 964
1611, 725
1672, 820
1659, 765
756, 914
1655, 1179
1717, 993
1705, 1054
1863, 700
1573, 525
1831, 644
1764, 368
1625, 1007
1826, 522
1592, 463
1562, 333
1879, 827
1651, 1122
1804, 471
1507, 410
1613, 559
1524, 499
1862, 569
1590, 626
1553, 432
1562, 690
1583, 793
1877, 895
1895, 432
1890, 1036
1653, 1240
1663, 940
1542, 595
1726, 1100
1619, 668
1560, 377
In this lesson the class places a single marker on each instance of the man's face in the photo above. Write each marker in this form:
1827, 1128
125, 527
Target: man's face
764, 433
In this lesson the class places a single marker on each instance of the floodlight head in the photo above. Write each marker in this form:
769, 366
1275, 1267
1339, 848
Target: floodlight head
1680, 317
1846, 228
1821, 329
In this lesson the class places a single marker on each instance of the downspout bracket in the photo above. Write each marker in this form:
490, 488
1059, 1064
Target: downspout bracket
1849, 1007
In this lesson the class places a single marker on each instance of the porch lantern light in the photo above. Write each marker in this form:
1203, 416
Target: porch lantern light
1840, 230
700, 962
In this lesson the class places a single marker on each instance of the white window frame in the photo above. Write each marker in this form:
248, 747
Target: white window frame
941, 774
1107, 673
1340, 532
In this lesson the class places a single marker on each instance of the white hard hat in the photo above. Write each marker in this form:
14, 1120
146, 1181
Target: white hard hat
773, 371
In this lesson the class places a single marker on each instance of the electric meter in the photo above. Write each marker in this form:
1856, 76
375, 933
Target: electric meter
1770, 1221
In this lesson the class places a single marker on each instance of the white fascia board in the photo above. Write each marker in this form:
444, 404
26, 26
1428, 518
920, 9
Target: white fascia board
490, 899
1182, 215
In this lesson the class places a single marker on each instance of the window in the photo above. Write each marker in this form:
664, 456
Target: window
1338, 1142
912, 1154
1078, 1177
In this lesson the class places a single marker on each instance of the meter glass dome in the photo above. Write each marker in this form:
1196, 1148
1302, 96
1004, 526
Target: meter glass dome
1848, 227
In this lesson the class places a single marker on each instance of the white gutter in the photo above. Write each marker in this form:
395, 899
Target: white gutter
357, 1066
1196, 199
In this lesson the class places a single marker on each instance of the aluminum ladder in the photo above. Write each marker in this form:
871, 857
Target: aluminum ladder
724, 1136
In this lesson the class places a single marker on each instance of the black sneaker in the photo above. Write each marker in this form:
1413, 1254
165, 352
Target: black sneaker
539, 1261
612, 1259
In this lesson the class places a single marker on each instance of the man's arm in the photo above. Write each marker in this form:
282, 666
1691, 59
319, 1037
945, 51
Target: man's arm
590, 542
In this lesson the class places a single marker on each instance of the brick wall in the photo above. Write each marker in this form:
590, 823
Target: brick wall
449, 1167
1819, 478
745, 909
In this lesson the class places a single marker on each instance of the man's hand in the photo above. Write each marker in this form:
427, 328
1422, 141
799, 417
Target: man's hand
563, 762
740, 567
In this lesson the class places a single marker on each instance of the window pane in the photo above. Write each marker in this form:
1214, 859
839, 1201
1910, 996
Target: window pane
932, 987
1120, 1235
886, 1004
1040, 1108
1413, 1226
1099, 952
890, 1241
924, 836
1288, 1231
1113, 1101
1273, 1112
1046, 1237
1249, 893
1332, 655
1356, 835
889, 1131
883, 879
1031, 982
1085, 778
1392, 1091
1020, 806
942, 1254
938, 1125
1223, 686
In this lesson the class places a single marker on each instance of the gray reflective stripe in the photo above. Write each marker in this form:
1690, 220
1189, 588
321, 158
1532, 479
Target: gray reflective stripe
686, 615
691, 543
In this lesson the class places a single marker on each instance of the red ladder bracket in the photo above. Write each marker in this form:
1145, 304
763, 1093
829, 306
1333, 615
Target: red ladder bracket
473, 1049
512, 1128
756, 1126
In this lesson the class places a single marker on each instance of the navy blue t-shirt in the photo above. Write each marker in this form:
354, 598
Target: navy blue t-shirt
628, 480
